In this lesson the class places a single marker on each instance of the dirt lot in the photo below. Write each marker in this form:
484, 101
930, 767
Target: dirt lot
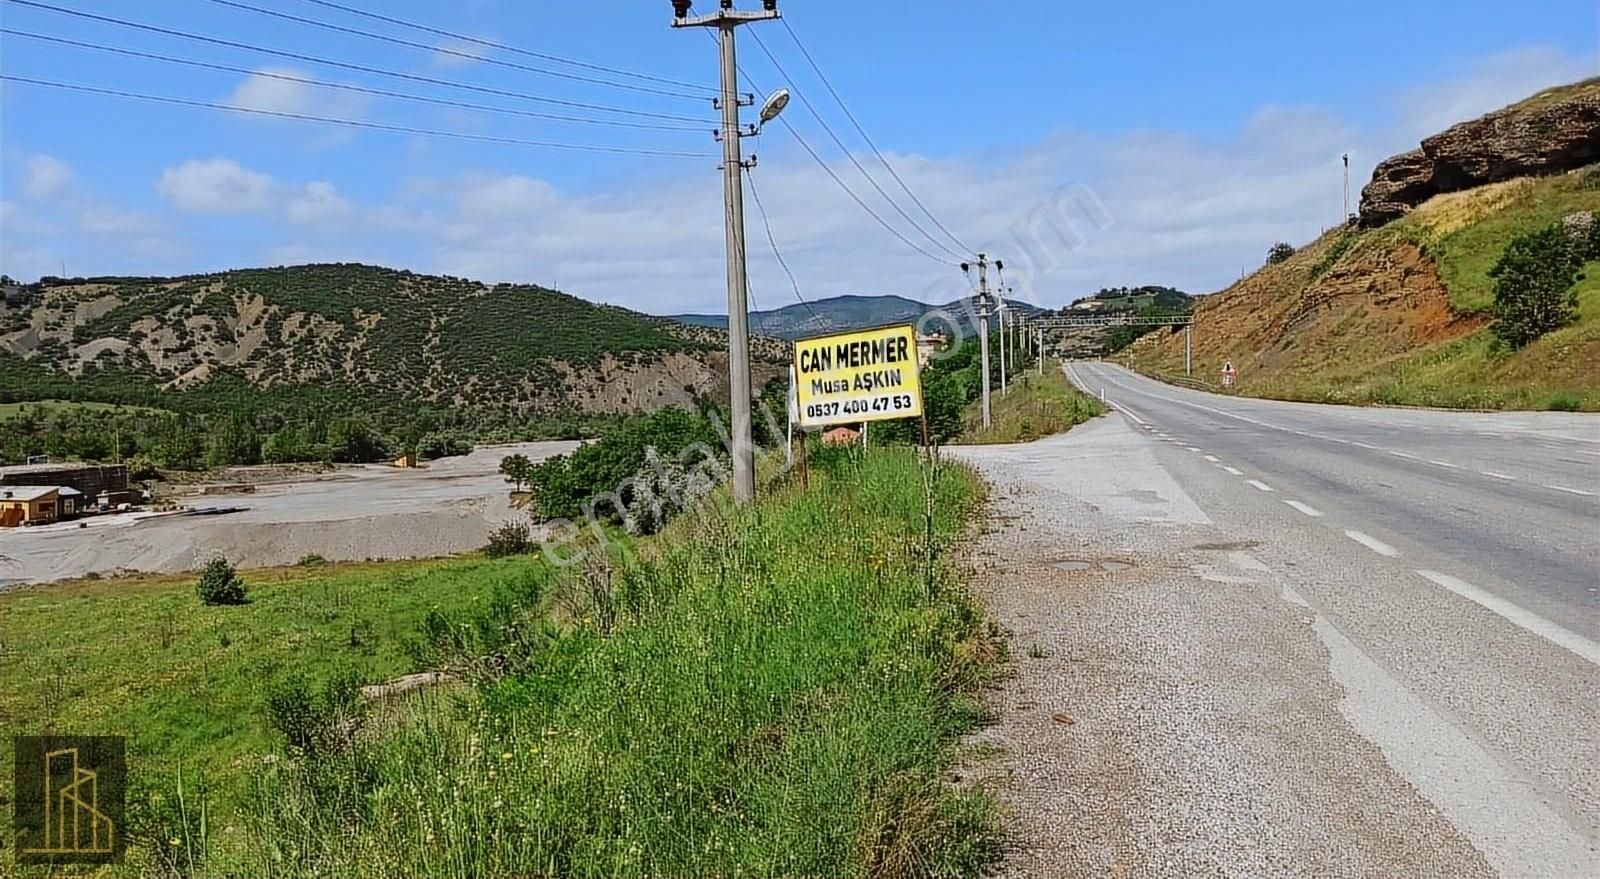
372, 511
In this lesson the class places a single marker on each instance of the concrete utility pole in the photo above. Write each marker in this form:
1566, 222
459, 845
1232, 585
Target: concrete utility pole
984, 304
1188, 350
1001, 311
1041, 350
1346, 218
725, 21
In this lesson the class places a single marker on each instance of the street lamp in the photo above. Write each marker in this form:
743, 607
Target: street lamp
774, 105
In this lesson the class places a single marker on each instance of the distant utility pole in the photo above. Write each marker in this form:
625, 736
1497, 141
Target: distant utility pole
1001, 311
984, 304
725, 21
1346, 218
1041, 350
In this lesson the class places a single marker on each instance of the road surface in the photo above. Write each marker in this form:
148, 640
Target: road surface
1269, 639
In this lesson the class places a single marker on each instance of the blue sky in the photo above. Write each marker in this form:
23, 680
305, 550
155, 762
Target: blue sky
1201, 133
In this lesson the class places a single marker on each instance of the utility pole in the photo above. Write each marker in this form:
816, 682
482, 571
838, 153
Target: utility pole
1001, 311
984, 304
1041, 350
725, 20
1346, 218
1188, 350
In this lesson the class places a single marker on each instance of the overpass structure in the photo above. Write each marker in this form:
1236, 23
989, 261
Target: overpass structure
1123, 319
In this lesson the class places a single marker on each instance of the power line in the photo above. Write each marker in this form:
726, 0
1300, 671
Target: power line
851, 156
805, 145
766, 222
442, 50
864, 136
286, 77
491, 44
345, 65
353, 123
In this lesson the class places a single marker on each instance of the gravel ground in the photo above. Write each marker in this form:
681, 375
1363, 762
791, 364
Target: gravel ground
357, 513
1177, 717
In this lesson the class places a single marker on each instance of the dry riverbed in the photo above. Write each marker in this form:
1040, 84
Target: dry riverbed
352, 513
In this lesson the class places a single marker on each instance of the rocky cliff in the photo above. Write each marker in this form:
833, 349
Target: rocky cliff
1554, 131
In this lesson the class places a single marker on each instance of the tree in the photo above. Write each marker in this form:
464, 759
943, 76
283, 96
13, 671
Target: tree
352, 441
517, 469
1534, 285
220, 584
1279, 252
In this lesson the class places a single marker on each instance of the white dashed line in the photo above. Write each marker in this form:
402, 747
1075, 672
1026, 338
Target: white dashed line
1308, 510
1445, 464
1260, 486
1577, 491
1408, 457
1194, 449
1534, 623
1233, 471
1361, 445
1213, 459
1372, 543
1493, 475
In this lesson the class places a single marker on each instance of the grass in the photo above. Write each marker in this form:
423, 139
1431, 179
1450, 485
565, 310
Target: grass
1035, 406
1466, 232
141, 656
773, 691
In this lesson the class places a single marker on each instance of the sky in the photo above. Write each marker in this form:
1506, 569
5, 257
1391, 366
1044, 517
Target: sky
1086, 144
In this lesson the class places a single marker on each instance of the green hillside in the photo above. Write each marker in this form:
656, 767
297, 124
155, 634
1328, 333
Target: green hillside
1401, 314
294, 352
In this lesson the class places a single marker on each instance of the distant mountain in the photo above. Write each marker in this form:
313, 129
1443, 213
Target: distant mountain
845, 313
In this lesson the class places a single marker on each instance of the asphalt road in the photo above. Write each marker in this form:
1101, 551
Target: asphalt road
1508, 502
1432, 579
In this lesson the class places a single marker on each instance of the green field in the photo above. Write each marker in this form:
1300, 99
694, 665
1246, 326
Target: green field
753, 693
1035, 406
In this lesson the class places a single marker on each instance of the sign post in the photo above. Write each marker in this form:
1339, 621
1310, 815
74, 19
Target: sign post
858, 377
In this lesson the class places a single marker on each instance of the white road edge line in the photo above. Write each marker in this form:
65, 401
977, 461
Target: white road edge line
1576, 491
1313, 512
1372, 543
1534, 623
1259, 485
1233, 471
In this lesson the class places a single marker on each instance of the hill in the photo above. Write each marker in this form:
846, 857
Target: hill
1401, 313
840, 313
350, 336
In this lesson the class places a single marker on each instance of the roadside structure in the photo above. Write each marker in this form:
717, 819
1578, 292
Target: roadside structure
30, 505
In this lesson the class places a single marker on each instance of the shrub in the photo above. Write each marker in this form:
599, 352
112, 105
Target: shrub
1279, 252
1563, 402
1534, 285
511, 538
311, 560
220, 584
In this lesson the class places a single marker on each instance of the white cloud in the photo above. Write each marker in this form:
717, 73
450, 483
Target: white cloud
46, 177
215, 186
1500, 80
318, 202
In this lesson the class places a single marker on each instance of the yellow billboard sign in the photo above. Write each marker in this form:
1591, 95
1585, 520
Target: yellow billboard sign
864, 375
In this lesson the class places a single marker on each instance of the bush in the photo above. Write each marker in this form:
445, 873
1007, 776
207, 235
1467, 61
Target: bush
311, 560
1563, 402
220, 584
511, 538
1534, 284
1279, 252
